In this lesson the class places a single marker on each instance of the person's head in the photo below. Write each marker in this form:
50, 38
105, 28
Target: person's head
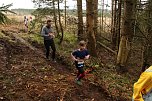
48, 22
82, 45
145, 66
24, 17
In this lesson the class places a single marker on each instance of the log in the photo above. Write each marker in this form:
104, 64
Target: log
104, 38
109, 49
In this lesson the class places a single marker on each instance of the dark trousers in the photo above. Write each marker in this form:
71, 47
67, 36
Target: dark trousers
81, 72
47, 44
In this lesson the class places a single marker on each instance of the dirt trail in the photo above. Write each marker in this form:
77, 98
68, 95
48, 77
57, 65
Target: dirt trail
25, 75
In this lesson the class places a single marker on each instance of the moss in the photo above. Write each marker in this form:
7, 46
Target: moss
1, 35
32, 37
36, 38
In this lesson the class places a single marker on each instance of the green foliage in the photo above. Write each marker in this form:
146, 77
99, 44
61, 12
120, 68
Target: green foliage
3, 11
1, 35
8, 38
36, 38
3, 18
40, 14
117, 85
32, 25
32, 37
43, 12
70, 38
69, 41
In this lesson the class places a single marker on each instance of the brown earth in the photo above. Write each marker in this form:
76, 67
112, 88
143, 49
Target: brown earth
25, 75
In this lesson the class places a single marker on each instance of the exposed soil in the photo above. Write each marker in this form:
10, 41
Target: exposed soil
25, 75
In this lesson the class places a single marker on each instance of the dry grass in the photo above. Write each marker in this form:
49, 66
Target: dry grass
18, 18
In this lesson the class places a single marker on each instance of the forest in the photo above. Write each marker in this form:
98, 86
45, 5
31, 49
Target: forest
118, 36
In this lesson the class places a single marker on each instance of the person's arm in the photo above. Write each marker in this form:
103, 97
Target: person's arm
73, 56
43, 32
52, 33
140, 85
87, 55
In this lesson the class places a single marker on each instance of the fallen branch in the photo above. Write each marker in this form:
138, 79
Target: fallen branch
105, 38
109, 49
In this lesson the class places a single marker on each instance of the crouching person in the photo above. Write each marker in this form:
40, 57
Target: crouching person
142, 90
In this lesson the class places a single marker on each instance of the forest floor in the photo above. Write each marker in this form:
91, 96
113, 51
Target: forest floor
25, 74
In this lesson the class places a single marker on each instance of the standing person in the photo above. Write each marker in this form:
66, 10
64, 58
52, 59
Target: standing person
142, 90
49, 35
79, 56
26, 23
31, 19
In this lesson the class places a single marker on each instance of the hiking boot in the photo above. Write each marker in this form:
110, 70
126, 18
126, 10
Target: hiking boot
47, 59
78, 82
54, 61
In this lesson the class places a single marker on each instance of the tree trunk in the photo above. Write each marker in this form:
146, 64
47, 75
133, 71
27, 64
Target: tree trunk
117, 6
65, 14
118, 23
61, 27
113, 29
95, 17
90, 22
102, 13
127, 32
55, 18
80, 20
112, 15
100, 17
148, 43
